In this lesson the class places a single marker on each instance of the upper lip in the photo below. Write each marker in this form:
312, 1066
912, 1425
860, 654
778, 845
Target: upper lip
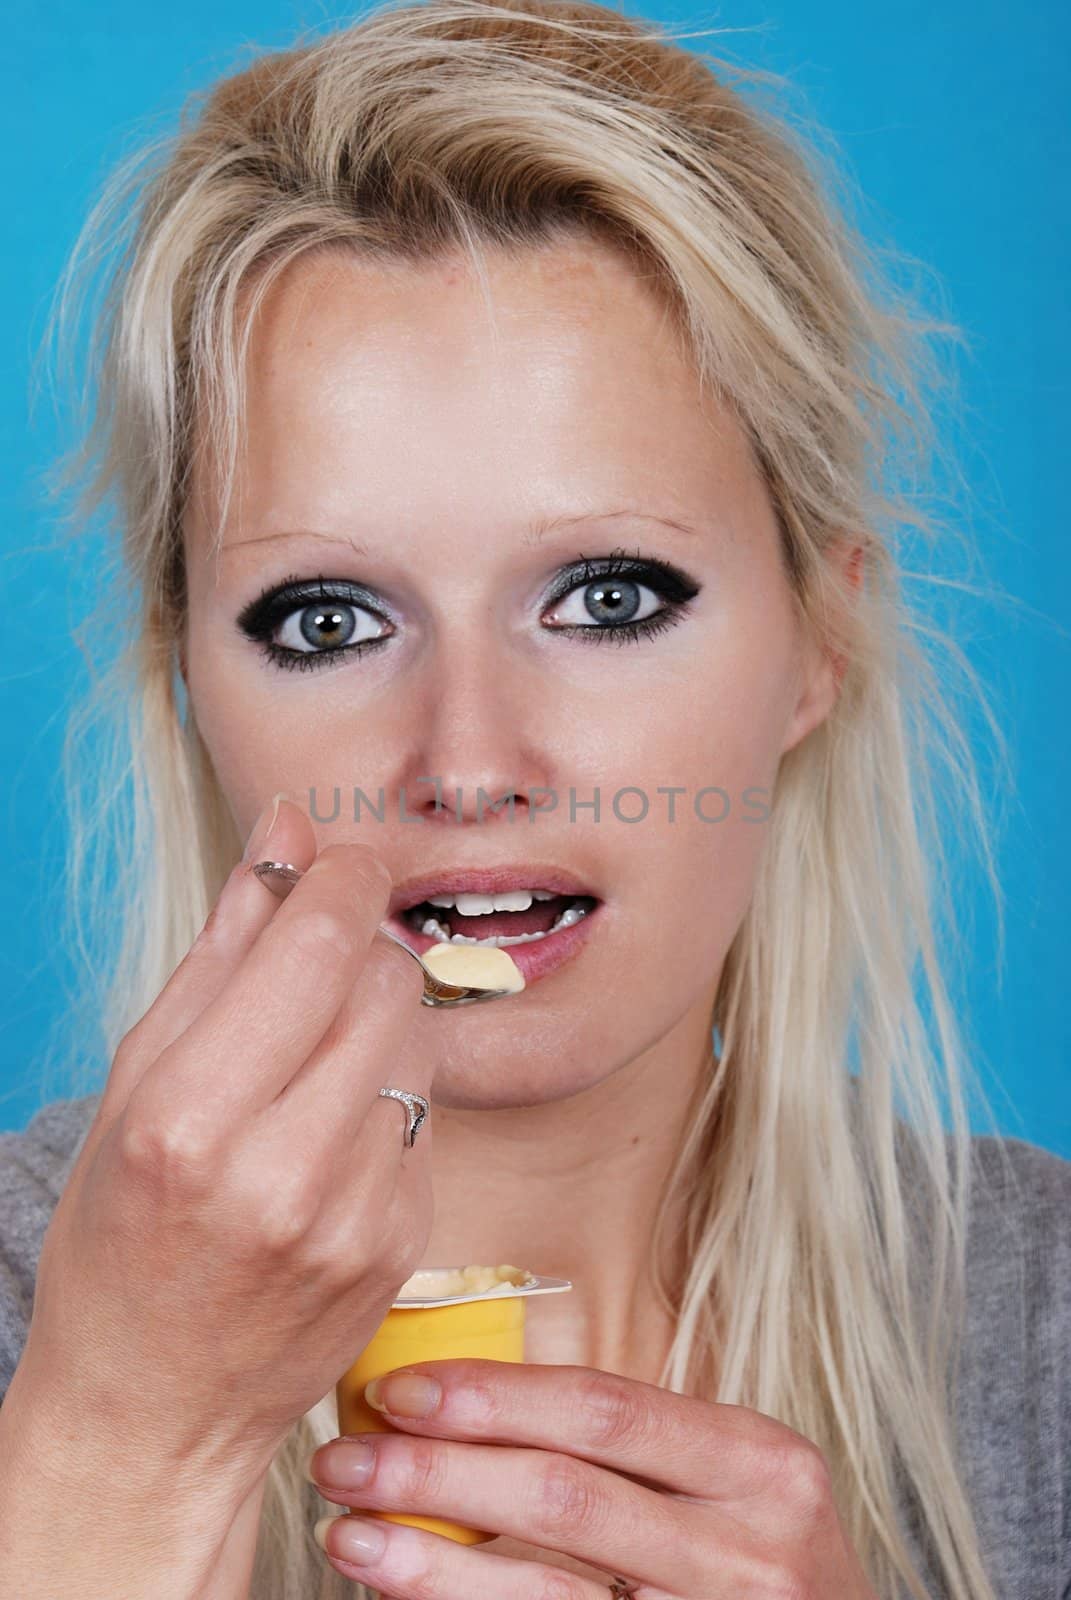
486, 880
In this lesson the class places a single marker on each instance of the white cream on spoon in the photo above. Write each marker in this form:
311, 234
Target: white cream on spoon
475, 966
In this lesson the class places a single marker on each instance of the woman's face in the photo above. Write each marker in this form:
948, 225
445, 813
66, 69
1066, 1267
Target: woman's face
446, 468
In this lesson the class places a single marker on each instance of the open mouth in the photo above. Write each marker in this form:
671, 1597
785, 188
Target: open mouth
515, 917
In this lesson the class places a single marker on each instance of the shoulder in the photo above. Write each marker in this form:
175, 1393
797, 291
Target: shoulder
35, 1163
36, 1160
1016, 1170
1017, 1253
1009, 1390
1019, 1231
1014, 1390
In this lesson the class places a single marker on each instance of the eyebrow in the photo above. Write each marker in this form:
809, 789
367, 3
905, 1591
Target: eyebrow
536, 533
539, 530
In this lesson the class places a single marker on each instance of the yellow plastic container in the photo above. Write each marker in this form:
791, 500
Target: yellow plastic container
491, 1329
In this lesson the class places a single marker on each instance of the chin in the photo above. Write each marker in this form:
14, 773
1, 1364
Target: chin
480, 1081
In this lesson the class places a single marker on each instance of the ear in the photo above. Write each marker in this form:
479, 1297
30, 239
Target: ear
823, 673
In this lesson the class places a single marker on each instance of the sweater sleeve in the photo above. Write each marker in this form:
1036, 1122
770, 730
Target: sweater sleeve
34, 1166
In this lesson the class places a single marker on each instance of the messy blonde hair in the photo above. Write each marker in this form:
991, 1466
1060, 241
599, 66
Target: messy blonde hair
461, 124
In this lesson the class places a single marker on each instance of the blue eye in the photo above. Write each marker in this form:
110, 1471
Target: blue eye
605, 600
310, 624
617, 601
327, 625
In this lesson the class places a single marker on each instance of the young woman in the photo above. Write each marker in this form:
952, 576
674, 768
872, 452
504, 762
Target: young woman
506, 432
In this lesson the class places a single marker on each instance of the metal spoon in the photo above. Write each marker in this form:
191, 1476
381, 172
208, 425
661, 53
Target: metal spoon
280, 877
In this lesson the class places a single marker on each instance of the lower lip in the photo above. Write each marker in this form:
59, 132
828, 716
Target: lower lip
535, 959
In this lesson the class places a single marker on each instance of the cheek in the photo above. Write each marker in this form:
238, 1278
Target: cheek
688, 881
719, 726
254, 746
685, 886
716, 711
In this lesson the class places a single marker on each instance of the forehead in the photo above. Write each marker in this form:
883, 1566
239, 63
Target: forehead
406, 390
576, 281
548, 317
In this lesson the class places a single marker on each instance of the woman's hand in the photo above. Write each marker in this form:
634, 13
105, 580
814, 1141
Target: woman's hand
243, 1210
687, 1499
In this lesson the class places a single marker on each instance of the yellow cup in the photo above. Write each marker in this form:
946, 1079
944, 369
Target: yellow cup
492, 1329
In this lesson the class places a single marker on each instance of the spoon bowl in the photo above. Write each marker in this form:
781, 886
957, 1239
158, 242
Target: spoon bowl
280, 877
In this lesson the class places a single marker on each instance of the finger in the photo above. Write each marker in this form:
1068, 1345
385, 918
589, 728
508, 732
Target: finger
553, 1501
692, 1447
380, 1009
412, 1563
251, 1038
332, 1111
242, 909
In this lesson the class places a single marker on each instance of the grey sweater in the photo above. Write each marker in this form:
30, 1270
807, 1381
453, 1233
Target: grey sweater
1013, 1404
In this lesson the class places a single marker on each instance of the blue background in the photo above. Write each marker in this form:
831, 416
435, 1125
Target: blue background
951, 118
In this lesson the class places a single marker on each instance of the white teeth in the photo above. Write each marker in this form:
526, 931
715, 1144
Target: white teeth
512, 900
567, 918
435, 930
474, 905
478, 905
481, 905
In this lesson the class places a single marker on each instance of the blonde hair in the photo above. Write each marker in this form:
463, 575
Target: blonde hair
457, 124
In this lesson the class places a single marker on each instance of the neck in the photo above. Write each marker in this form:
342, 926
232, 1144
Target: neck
572, 1189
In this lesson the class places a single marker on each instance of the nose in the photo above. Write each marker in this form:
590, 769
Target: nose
475, 755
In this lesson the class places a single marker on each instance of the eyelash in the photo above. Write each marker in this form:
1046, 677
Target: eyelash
274, 604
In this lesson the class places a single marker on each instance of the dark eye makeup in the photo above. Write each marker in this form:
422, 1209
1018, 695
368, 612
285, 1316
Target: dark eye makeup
326, 598
309, 600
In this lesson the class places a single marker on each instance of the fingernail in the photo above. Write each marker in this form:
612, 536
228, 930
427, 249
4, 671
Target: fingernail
259, 834
358, 1538
406, 1394
342, 1464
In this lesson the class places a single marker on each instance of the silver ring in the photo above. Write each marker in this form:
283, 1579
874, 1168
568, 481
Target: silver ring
416, 1111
